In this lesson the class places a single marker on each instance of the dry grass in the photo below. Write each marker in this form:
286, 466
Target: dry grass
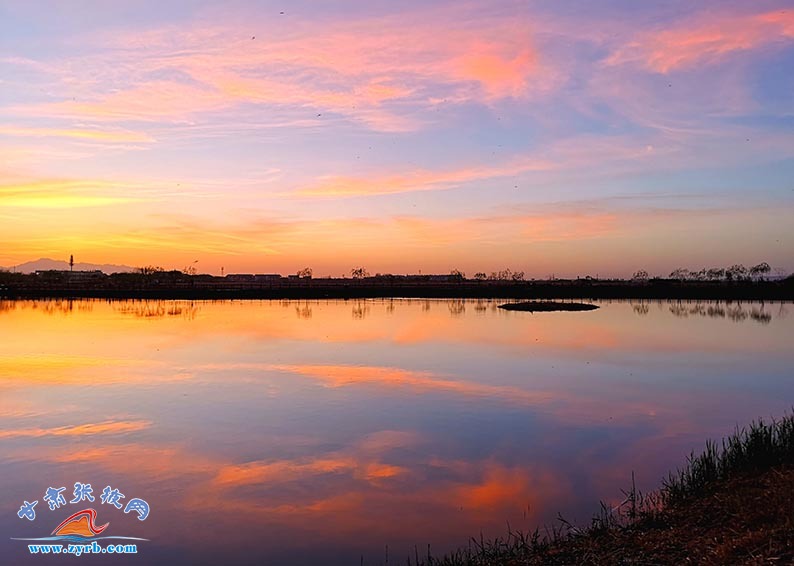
732, 504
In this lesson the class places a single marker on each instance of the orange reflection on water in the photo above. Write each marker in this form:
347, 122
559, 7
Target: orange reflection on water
87, 429
125, 329
345, 376
370, 422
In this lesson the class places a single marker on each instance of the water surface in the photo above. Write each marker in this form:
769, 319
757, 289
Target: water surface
294, 432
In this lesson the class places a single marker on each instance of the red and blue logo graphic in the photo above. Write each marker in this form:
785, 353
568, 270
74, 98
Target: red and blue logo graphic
81, 527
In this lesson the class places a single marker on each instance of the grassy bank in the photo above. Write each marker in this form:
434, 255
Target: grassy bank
731, 504
175, 285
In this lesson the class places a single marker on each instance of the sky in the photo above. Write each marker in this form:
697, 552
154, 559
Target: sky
568, 138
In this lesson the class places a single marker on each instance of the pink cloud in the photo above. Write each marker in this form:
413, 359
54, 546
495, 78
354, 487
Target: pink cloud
421, 180
356, 69
500, 75
706, 41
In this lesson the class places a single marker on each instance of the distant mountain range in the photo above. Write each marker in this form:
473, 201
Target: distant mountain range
44, 264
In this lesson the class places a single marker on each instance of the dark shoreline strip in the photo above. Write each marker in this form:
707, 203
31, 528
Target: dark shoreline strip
353, 290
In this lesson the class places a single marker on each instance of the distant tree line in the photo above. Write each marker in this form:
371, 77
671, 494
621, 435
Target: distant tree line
502, 275
736, 272
155, 274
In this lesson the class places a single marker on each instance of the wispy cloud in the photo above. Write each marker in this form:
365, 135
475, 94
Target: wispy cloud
357, 69
80, 134
709, 39
564, 157
336, 186
60, 193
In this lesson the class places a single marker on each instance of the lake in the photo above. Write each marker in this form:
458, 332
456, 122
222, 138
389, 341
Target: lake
321, 432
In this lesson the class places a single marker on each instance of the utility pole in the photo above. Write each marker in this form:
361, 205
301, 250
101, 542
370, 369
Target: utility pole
71, 262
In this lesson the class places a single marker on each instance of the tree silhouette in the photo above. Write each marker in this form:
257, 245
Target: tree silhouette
680, 274
715, 273
760, 270
359, 273
305, 273
736, 272
503, 275
640, 275
480, 276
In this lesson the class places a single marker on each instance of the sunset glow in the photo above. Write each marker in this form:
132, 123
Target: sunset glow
554, 138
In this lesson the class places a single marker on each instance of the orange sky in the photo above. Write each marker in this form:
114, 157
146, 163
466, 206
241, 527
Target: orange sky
405, 138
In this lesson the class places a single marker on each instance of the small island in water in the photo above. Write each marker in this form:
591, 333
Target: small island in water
547, 306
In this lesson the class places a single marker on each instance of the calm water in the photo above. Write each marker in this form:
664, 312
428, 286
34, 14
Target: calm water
318, 432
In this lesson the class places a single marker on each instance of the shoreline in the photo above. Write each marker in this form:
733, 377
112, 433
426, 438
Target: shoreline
351, 289
156, 284
731, 504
